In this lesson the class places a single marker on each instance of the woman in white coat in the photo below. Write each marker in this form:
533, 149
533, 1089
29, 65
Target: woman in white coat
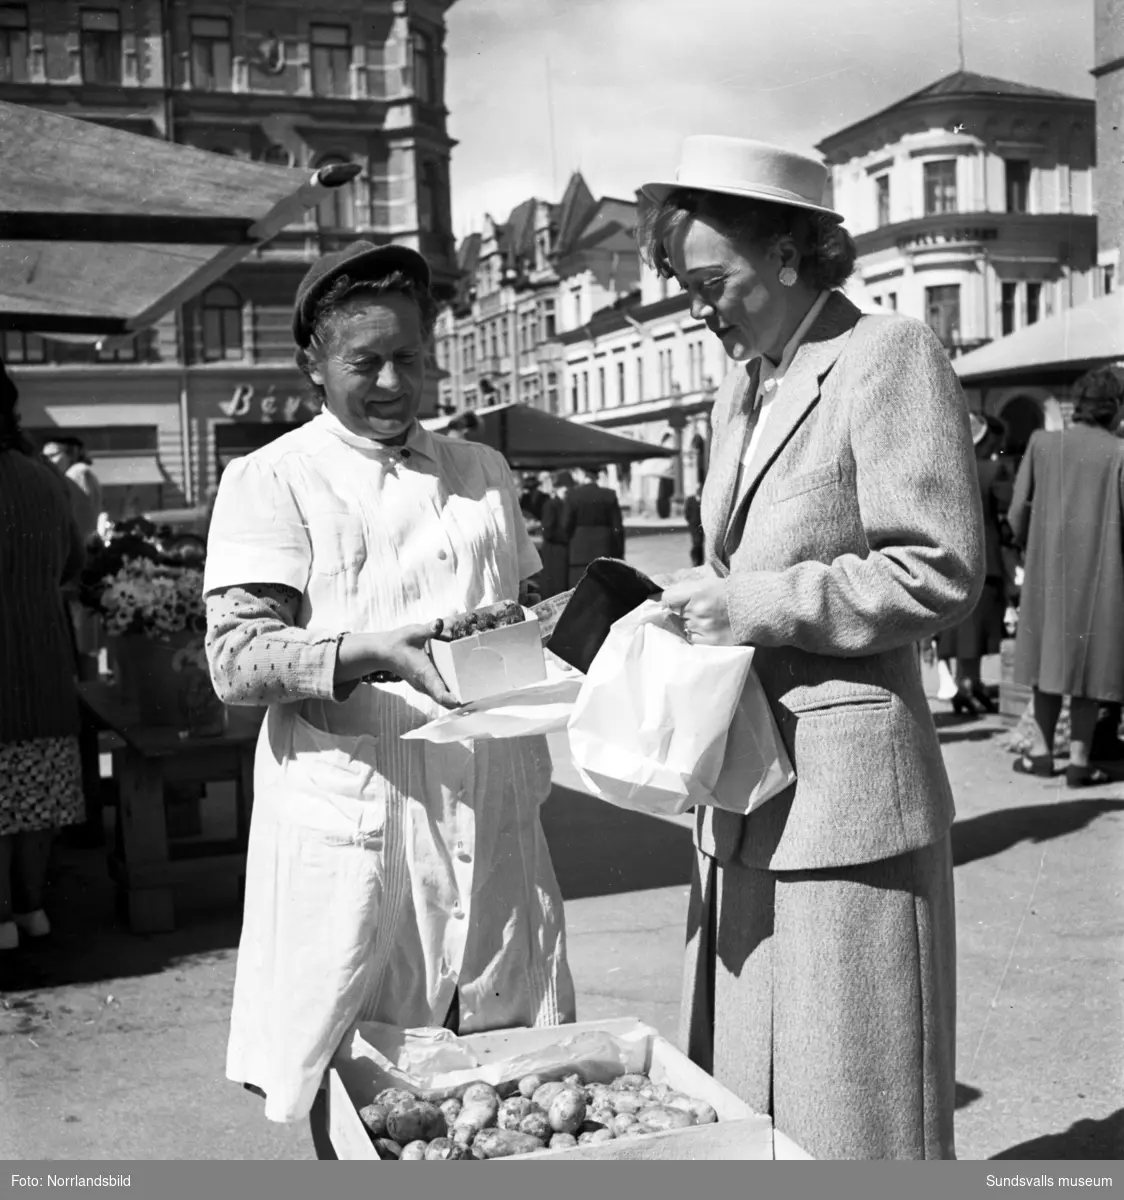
387, 880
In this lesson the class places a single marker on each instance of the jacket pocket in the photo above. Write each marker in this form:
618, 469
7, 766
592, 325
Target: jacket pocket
817, 703
823, 476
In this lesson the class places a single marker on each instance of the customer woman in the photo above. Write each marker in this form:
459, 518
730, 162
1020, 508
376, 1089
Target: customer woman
1068, 511
396, 881
983, 631
40, 766
843, 526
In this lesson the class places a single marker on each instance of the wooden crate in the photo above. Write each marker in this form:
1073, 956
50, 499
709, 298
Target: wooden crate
739, 1133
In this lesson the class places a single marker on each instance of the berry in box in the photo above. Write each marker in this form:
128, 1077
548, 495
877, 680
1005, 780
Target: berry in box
489, 651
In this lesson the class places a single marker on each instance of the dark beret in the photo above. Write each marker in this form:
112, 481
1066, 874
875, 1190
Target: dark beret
359, 260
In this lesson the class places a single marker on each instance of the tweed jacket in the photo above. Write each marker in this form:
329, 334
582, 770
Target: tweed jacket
862, 535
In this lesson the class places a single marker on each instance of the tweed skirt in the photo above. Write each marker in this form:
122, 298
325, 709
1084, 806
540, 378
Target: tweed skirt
827, 999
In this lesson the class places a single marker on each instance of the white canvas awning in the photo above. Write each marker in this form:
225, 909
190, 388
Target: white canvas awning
1079, 338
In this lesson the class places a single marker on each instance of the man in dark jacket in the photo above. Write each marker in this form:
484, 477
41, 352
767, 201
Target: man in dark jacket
592, 522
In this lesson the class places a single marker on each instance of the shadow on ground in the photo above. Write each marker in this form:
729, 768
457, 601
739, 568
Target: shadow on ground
1086, 1139
994, 832
600, 850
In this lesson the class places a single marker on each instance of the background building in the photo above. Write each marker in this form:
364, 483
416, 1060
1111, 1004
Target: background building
347, 81
545, 270
1108, 183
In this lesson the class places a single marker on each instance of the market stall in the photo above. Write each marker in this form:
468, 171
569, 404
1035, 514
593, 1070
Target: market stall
105, 232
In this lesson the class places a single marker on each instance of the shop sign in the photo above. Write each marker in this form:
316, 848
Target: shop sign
246, 405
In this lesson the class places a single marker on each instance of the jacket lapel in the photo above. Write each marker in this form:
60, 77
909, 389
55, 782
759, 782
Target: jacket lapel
722, 479
800, 390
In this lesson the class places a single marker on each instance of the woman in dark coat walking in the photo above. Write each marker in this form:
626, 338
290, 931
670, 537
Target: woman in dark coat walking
1068, 511
982, 632
555, 544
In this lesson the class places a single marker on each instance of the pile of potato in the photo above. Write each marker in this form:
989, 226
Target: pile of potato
483, 1122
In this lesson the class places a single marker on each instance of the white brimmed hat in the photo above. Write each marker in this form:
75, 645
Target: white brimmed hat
755, 170
980, 427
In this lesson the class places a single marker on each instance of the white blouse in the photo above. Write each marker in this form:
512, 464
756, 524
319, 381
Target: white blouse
383, 875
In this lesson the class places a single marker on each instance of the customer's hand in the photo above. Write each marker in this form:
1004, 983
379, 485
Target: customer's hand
529, 594
701, 605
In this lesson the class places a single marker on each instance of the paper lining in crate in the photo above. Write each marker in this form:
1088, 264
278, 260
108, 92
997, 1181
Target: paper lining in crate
434, 1063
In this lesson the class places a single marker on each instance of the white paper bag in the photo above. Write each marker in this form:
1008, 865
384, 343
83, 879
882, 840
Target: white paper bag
661, 725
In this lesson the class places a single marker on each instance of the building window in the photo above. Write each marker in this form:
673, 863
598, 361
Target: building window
549, 320
882, 192
1007, 308
100, 33
424, 68
337, 209
1109, 279
942, 311
892, 301
940, 187
120, 352
601, 399
331, 60
20, 347
221, 324
211, 54
620, 382
577, 294
1033, 302
1018, 185
552, 392
639, 380
13, 43
585, 391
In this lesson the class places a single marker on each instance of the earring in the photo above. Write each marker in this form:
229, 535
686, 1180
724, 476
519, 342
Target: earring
787, 276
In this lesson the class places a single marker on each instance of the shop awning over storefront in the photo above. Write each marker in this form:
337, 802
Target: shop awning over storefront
532, 440
127, 470
1079, 338
104, 231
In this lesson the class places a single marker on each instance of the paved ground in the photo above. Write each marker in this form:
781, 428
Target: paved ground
113, 1044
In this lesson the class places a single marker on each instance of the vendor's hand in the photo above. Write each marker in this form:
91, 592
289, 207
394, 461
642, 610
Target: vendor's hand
404, 654
701, 606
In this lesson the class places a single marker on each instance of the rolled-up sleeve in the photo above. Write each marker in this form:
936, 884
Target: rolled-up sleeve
257, 656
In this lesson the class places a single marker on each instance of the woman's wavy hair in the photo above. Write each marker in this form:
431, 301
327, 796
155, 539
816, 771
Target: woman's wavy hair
827, 250
1098, 397
345, 294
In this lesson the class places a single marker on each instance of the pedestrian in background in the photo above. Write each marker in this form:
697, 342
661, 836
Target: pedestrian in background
1068, 512
592, 523
69, 458
40, 764
532, 498
555, 543
981, 633
692, 512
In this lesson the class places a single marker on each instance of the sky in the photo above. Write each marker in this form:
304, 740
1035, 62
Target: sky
627, 80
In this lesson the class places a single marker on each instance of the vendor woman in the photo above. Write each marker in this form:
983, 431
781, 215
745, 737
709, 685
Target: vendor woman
388, 880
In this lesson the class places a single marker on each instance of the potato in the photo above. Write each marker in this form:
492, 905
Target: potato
595, 1136
659, 1117
452, 1109
529, 1085
629, 1083
600, 1116
600, 1095
512, 1111
563, 1141
629, 1102
567, 1111
479, 1091
621, 1122
393, 1096
464, 1135
374, 1118
544, 1094
413, 1151
420, 1121
575, 1081
505, 1143
657, 1093
387, 1148
702, 1112
481, 1114
537, 1124
442, 1148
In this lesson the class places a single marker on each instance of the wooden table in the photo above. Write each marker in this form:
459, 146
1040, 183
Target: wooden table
145, 864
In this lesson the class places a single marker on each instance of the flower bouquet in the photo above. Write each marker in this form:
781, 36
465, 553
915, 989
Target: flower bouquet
149, 596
